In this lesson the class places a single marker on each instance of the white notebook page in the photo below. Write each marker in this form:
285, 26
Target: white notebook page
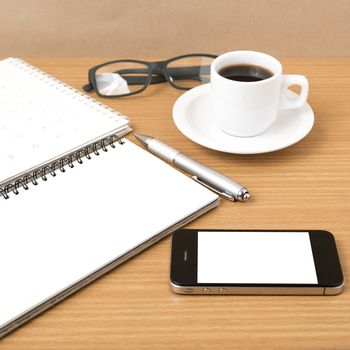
65, 228
41, 118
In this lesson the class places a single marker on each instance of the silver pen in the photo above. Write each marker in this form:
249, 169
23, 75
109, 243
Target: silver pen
208, 177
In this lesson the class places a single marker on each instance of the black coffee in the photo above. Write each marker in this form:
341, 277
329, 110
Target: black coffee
245, 72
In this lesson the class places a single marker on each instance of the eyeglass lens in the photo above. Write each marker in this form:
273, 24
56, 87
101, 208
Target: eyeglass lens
189, 72
121, 78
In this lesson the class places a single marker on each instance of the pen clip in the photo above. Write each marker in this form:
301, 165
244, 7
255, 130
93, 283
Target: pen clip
222, 194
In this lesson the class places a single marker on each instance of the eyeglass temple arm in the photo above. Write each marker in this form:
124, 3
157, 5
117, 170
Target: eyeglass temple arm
174, 73
177, 73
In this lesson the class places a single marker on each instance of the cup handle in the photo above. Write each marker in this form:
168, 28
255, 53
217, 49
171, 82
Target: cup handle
294, 79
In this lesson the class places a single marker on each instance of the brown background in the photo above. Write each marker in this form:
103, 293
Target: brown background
159, 28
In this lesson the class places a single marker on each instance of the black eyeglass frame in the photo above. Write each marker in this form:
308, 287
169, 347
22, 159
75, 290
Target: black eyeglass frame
158, 67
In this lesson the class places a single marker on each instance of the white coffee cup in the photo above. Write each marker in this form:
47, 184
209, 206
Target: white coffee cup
249, 108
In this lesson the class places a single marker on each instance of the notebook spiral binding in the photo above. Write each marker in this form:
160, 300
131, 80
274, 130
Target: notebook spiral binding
60, 164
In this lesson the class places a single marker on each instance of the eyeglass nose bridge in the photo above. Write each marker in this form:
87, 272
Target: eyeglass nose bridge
158, 73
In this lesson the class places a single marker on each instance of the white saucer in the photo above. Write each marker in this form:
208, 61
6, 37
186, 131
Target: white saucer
194, 117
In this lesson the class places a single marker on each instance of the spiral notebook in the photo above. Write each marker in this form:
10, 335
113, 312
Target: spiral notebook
43, 120
84, 211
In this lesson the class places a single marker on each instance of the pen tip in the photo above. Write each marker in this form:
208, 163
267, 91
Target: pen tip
246, 196
243, 195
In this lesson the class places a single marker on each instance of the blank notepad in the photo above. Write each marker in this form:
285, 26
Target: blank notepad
42, 119
72, 225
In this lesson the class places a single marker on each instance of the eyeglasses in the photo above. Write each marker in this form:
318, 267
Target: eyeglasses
129, 77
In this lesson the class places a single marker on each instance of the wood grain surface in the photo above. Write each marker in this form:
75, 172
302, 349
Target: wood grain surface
305, 186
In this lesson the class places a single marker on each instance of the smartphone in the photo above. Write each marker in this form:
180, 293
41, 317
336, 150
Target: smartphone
255, 262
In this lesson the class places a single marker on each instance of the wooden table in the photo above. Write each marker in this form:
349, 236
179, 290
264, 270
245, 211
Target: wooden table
305, 186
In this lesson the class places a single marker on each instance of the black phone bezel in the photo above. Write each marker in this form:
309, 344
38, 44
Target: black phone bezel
184, 272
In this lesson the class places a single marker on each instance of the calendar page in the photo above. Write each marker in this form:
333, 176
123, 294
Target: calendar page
41, 118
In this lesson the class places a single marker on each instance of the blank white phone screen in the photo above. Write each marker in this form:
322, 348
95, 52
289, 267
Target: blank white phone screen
255, 257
